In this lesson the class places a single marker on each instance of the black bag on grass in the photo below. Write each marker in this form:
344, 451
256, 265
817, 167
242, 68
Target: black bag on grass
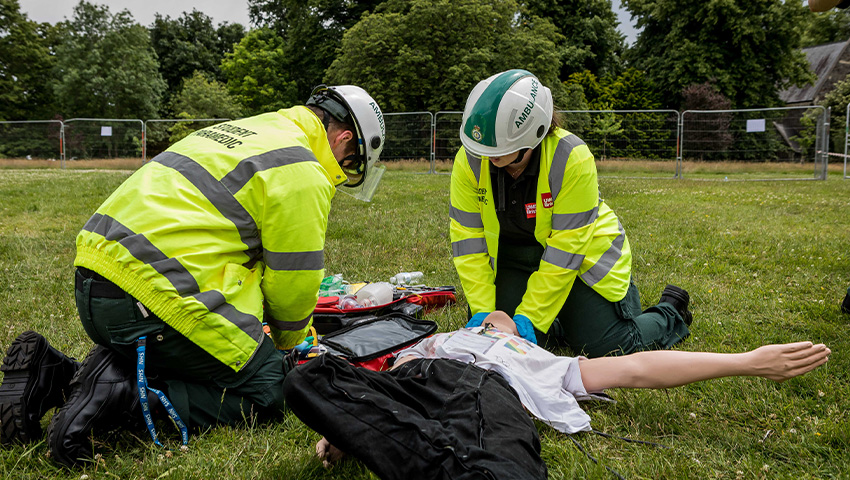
427, 419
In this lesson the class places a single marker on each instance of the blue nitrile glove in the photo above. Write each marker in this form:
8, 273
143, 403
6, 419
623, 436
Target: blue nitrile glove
302, 348
524, 328
477, 319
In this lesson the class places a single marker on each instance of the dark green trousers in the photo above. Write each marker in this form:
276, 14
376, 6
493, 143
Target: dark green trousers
204, 391
588, 324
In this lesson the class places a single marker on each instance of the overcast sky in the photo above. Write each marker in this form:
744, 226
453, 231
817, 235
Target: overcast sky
232, 11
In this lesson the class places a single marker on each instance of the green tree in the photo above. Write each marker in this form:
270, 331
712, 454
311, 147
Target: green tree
571, 97
257, 75
228, 35
190, 43
311, 32
837, 99
26, 79
825, 27
428, 54
202, 97
637, 134
590, 40
631, 90
606, 125
750, 50
705, 136
106, 66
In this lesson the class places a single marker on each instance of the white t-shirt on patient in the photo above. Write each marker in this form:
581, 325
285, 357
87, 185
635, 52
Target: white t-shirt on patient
546, 384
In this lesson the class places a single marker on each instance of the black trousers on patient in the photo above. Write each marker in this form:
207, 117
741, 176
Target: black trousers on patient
428, 419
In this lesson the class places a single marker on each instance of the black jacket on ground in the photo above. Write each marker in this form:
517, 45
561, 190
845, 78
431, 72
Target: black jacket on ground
428, 419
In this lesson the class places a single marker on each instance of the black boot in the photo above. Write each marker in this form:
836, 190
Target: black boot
36, 379
104, 397
680, 299
845, 305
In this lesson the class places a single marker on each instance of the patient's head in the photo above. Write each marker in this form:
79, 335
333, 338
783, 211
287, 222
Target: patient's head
501, 321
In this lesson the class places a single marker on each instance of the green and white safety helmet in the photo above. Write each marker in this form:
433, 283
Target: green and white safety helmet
506, 113
351, 104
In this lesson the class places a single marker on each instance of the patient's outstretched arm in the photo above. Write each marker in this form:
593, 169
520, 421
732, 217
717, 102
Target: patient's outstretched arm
672, 368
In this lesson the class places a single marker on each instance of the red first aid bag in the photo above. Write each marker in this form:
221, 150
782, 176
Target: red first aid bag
328, 317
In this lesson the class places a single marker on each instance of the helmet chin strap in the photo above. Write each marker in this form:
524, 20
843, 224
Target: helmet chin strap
519, 156
353, 157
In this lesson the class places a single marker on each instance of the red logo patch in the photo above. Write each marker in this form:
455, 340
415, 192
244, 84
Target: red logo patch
547, 200
530, 210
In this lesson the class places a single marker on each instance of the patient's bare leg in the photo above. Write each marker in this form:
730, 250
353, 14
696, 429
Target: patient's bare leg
672, 368
328, 453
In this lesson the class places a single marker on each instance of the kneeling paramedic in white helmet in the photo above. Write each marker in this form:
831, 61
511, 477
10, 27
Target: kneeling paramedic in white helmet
180, 267
531, 235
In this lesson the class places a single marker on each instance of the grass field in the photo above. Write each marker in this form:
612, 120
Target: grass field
763, 262
692, 170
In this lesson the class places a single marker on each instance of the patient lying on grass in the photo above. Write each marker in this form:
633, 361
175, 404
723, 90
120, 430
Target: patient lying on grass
549, 386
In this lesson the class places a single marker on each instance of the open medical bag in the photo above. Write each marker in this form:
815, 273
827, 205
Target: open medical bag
328, 317
368, 337
371, 343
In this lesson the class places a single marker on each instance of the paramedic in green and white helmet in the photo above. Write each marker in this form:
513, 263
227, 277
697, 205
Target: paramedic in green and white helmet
505, 114
531, 235
355, 110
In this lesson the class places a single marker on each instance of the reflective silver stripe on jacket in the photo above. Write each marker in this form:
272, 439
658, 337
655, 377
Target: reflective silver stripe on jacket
469, 247
571, 221
466, 219
219, 195
239, 176
475, 165
183, 281
559, 162
288, 261
289, 326
563, 259
606, 262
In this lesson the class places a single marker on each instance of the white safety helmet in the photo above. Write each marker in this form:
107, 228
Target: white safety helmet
351, 104
506, 113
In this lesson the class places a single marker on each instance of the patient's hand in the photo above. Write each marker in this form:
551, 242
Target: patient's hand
328, 453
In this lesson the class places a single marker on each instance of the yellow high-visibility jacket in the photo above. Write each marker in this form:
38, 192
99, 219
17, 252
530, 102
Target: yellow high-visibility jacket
582, 236
223, 230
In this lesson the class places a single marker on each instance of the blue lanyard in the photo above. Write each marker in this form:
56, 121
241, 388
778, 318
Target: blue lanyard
143, 398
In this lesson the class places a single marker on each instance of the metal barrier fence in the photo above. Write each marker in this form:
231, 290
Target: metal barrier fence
446, 139
846, 139
32, 139
794, 137
160, 133
102, 138
770, 143
626, 134
408, 136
